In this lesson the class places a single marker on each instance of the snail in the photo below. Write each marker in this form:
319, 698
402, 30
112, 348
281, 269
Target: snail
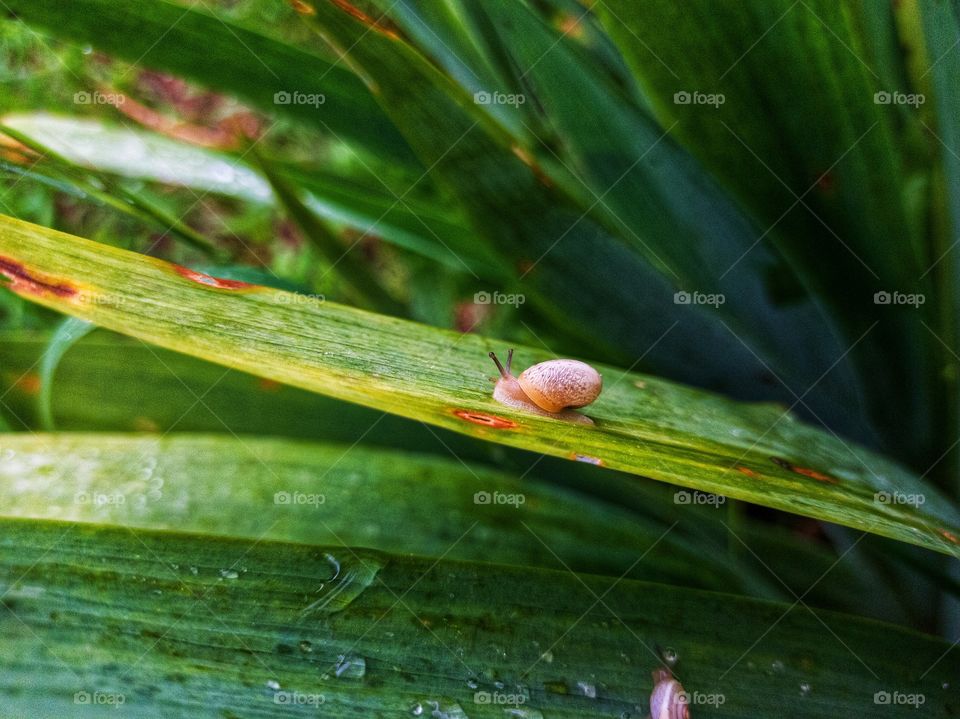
552, 389
668, 699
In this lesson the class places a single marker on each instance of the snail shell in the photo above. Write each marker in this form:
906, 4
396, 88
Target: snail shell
549, 388
668, 699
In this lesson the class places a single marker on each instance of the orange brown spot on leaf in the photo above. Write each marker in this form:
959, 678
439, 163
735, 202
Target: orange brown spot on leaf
747, 471
381, 25
34, 283
486, 420
268, 385
217, 282
29, 383
303, 8
805, 471
949, 536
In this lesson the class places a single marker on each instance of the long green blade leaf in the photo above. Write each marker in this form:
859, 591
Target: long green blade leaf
165, 623
642, 425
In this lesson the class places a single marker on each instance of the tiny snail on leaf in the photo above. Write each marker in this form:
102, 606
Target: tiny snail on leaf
668, 699
551, 389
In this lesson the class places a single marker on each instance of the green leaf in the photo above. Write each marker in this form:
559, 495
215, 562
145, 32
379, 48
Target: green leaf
111, 383
225, 57
800, 140
432, 229
325, 494
642, 425
66, 335
207, 626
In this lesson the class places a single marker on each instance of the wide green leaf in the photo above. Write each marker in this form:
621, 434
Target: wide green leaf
179, 623
642, 425
111, 383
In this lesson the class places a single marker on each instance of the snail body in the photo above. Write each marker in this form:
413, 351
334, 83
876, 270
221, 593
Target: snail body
668, 699
552, 389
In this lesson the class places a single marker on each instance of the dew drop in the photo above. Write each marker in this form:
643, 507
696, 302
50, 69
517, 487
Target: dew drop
547, 656
350, 666
273, 684
777, 666
306, 646
804, 689
587, 689
472, 683
670, 657
228, 574
194, 571
417, 709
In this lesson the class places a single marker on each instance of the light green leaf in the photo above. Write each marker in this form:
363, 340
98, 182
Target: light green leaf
642, 425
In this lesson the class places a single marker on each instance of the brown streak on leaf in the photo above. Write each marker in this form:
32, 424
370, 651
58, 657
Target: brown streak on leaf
382, 26
487, 420
22, 280
217, 282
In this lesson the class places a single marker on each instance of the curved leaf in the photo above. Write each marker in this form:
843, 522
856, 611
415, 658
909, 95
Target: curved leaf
641, 425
